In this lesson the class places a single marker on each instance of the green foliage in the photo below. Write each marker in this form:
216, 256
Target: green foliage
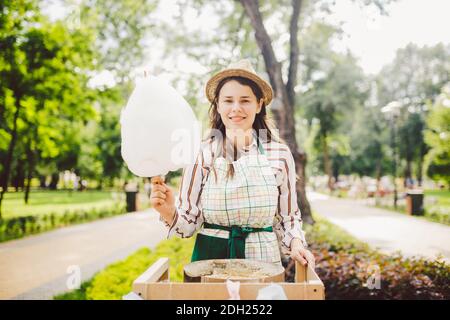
116, 280
17, 227
346, 276
119, 28
44, 72
414, 79
437, 137
49, 98
436, 206
369, 137
345, 265
438, 214
58, 201
333, 91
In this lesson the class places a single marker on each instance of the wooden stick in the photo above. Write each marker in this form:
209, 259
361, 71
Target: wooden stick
157, 272
157, 180
301, 274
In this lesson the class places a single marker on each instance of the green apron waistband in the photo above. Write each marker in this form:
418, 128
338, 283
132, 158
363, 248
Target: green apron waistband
236, 238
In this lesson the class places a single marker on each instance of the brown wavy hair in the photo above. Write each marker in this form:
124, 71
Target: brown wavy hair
262, 121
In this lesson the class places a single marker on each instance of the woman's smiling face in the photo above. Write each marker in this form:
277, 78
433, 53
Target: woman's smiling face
237, 106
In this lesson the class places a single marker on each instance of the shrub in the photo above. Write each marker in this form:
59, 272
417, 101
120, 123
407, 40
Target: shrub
346, 267
342, 262
438, 213
17, 227
116, 280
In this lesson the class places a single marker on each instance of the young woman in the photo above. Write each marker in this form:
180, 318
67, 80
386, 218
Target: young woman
240, 194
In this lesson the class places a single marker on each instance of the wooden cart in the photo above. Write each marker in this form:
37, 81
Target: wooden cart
154, 284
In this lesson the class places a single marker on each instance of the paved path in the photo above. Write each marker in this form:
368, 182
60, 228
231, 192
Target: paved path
389, 231
36, 267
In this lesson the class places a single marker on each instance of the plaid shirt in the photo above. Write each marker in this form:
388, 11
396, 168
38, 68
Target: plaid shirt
286, 218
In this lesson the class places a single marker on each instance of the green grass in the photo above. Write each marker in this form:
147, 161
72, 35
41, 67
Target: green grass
432, 213
442, 196
323, 231
338, 248
435, 212
59, 201
116, 280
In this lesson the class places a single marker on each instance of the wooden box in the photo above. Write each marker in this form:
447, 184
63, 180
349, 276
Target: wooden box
154, 284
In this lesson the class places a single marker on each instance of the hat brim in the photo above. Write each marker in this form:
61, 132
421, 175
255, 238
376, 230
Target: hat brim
212, 83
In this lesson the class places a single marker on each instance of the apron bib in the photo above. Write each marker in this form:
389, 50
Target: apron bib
239, 212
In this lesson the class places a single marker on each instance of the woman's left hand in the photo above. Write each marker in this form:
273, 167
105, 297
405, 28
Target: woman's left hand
301, 254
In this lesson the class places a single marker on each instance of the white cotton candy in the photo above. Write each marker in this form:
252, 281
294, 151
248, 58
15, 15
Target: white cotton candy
272, 292
233, 289
160, 132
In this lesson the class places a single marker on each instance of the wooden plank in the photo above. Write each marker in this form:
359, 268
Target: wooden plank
159, 271
154, 284
306, 274
301, 274
218, 291
276, 278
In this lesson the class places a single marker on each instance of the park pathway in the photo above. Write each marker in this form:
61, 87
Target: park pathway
383, 229
39, 266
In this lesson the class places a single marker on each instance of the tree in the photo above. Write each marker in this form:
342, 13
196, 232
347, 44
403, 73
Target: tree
240, 31
414, 79
44, 82
437, 136
334, 88
48, 105
120, 28
368, 139
284, 95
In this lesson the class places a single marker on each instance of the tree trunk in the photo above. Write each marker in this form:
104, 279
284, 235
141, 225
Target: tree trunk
327, 161
284, 95
422, 153
300, 163
408, 172
100, 184
54, 181
42, 180
17, 180
378, 177
409, 157
9, 156
30, 170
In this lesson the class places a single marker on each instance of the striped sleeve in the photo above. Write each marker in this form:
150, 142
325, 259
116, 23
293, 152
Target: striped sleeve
188, 216
288, 221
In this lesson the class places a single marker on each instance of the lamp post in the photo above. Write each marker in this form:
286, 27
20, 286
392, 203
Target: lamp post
392, 109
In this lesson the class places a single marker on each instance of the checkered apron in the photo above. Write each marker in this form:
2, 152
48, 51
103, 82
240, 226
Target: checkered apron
247, 200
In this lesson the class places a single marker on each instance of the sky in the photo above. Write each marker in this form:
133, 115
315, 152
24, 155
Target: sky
375, 40
372, 38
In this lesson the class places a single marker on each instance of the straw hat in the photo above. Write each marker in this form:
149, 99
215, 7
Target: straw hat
242, 68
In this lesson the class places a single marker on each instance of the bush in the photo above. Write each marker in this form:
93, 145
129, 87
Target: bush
342, 262
116, 280
438, 213
17, 227
346, 267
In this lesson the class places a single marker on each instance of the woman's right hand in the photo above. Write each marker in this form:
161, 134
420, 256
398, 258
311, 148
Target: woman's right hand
163, 200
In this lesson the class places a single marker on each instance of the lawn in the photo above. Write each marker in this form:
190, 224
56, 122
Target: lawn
441, 196
343, 264
60, 201
436, 204
44, 202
